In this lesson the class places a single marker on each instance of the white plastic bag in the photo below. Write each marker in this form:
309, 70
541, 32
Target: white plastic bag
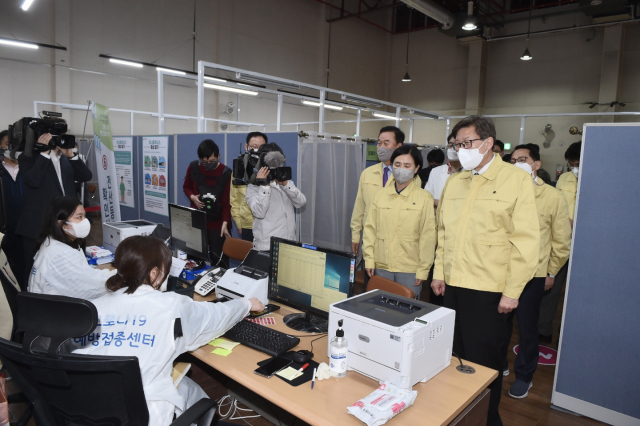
383, 404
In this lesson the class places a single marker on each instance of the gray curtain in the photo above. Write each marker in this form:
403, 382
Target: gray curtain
329, 172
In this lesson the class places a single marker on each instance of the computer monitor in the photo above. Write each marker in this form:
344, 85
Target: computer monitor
189, 231
309, 278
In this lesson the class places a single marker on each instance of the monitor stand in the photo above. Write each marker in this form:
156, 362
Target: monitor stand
306, 323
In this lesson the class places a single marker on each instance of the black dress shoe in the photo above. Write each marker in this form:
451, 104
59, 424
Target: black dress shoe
545, 339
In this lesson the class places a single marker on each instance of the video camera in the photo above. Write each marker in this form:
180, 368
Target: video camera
24, 134
247, 165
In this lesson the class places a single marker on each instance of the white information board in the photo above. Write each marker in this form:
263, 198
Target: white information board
123, 152
155, 151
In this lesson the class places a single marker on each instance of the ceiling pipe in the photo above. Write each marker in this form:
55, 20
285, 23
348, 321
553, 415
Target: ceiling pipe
433, 11
557, 30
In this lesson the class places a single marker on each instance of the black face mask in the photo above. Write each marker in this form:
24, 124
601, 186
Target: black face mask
210, 166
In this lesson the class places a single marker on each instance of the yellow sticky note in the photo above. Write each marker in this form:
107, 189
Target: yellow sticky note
227, 345
216, 342
220, 351
289, 373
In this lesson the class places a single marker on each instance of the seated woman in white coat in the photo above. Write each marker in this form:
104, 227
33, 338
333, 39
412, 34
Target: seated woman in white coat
135, 319
60, 267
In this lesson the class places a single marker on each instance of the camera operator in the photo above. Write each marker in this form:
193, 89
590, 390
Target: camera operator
273, 203
47, 175
209, 176
11, 203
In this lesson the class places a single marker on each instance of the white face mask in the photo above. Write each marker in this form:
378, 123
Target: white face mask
80, 229
526, 167
576, 171
452, 154
384, 154
403, 175
471, 158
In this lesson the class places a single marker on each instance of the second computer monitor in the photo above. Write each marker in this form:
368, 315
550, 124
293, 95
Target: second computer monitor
189, 231
309, 278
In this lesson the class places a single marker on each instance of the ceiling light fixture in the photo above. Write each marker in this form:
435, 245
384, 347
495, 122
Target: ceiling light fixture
18, 43
214, 79
171, 71
424, 114
470, 23
317, 104
361, 101
230, 89
406, 77
26, 4
526, 56
382, 115
121, 62
267, 81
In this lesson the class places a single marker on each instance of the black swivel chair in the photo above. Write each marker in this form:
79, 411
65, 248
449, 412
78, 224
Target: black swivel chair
69, 389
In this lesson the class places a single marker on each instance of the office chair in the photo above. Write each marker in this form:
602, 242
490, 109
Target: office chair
379, 283
236, 248
69, 389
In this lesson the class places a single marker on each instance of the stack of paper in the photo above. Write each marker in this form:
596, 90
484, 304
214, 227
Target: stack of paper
223, 347
98, 255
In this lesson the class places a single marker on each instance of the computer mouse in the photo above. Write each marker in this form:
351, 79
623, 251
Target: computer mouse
302, 356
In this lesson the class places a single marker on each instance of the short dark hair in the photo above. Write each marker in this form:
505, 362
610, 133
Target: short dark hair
135, 258
507, 158
408, 149
435, 156
3, 134
534, 150
207, 148
484, 126
270, 147
500, 144
398, 133
252, 135
60, 209
573, 152
451, 135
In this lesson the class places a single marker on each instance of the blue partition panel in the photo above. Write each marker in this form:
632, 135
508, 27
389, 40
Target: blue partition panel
598, 373
187, 152
154, 217
288, 141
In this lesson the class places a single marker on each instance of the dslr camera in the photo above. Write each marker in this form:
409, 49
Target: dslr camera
247, 165
24, 134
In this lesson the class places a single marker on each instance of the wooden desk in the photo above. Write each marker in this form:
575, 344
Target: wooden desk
439, 400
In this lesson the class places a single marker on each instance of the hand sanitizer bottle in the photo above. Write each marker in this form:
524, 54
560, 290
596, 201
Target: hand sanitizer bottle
339, 352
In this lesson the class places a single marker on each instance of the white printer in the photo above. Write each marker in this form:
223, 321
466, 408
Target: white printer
250, 279
114, 232
394, 338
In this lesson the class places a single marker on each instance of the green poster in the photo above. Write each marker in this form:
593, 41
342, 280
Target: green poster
372, 152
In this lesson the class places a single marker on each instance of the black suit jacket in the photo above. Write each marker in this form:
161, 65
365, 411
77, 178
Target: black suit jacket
42, 186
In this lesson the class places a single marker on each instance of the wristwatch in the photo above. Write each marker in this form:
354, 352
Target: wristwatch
551, 276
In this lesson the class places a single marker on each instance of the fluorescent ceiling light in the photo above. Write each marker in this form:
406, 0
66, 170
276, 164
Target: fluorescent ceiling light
171, 71
423, 114
214, 79
267, 80
317, 104
381, 115
18, 43
121, 62
26, 4
361, 101
230, 89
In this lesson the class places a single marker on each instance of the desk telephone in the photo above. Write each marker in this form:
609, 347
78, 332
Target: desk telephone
206, 282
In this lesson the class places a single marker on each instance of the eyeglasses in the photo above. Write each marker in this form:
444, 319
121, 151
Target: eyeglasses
465, 144
519, 160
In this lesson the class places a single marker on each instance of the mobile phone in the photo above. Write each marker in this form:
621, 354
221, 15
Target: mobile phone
272, 367
267, 310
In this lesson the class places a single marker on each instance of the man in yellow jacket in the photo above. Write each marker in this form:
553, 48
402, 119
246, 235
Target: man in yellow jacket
555, 241
240, 211
488, 245
568, 186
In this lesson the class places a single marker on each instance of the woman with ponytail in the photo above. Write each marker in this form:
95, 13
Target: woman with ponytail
60, 267
135, 319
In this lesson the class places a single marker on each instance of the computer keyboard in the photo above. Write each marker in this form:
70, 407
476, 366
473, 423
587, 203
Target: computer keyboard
262, 338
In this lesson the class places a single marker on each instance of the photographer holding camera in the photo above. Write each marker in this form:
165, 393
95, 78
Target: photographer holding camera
207, 184
48, 174
273, 201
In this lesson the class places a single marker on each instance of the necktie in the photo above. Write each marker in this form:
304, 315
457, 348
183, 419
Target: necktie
385, 176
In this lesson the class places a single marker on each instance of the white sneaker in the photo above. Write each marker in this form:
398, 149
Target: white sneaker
505, 373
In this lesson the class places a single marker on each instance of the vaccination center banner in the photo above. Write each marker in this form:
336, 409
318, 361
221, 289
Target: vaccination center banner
105, 163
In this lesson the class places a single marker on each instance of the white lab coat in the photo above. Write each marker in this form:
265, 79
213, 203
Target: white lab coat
142, 325
62, 270
273, 208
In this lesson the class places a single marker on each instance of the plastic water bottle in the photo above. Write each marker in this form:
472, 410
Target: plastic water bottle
339, 352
